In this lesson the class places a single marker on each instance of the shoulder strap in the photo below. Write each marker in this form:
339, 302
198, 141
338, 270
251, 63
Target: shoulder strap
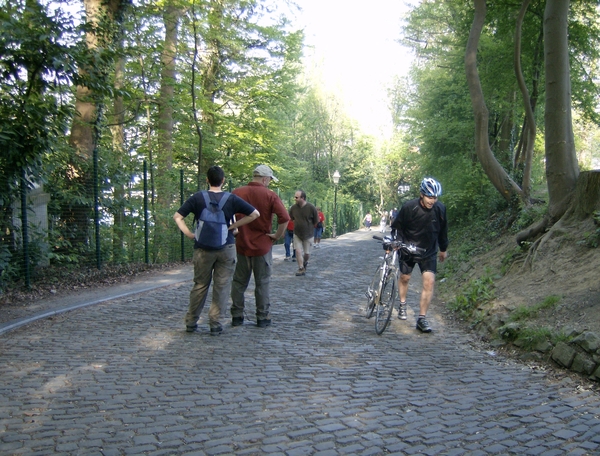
206, 198
223, 200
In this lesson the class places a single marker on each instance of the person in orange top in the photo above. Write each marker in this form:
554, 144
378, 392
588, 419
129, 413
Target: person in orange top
287, 243
319, 229
254, 246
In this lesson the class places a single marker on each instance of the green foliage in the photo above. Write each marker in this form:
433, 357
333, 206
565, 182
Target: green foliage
516, 254
36, 68
528, 312
525, 334
474, 294
61, 250
525, 337
528, 215
592, 239
531, 337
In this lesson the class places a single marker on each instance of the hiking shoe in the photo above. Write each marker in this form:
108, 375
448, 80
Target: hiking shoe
263, 323
402, 311
237, 321
191, 329
216, 331
423, 325
301, 272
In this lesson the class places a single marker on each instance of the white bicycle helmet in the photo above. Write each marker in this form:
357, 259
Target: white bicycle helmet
430, 187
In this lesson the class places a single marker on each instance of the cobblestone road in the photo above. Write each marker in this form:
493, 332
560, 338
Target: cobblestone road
123, 377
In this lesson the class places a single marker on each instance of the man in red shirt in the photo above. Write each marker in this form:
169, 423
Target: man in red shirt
254, 246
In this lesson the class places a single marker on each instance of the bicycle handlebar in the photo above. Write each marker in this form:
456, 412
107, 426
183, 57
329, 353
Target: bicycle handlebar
410, 248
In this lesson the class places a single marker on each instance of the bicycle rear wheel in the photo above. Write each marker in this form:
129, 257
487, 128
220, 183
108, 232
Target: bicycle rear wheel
373, 292
384, 309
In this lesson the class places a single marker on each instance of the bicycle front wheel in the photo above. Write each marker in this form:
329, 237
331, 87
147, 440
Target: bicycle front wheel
373, 293
384, 309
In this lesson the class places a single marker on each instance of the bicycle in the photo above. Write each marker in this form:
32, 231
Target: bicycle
381, 293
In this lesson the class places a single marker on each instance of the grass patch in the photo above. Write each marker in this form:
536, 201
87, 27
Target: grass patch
477, 292
531, 338
528, 312
592, 239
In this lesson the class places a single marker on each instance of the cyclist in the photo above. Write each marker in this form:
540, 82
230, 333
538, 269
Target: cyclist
422, 222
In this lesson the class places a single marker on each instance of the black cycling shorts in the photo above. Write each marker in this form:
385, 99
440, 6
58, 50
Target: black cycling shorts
428, 264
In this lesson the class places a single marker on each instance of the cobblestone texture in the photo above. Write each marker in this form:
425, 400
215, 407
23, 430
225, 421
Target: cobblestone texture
123, 377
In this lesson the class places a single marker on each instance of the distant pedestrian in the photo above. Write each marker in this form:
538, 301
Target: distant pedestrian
319, 228
210, 261
367, 220
383, 222
288, 242
422, 222
305, 218
254, 247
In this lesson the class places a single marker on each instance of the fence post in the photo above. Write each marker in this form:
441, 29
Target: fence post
25, 230
96, 200
146, 235
181, 201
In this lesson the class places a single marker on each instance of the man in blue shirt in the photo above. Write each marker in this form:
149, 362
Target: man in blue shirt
218, 262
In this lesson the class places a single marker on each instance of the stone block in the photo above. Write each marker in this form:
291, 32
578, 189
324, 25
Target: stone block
563, 354
589, 341
583, 364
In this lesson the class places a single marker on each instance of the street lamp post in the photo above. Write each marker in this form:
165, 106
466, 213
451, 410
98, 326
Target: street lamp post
336, 181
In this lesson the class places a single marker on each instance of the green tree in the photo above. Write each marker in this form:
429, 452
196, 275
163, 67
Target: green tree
102, 32
36, 65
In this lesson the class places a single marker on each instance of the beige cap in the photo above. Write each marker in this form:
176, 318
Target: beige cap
264, 171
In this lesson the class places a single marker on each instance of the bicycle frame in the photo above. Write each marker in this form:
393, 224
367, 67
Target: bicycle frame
385, 281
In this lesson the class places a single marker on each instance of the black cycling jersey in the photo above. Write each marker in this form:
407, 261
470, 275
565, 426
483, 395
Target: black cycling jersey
426, 228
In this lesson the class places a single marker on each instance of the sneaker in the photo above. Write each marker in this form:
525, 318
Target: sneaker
263, 323
216, 331
301, 272
191, 329
237, 321
402, 311
423, 325
305, 265
287, 258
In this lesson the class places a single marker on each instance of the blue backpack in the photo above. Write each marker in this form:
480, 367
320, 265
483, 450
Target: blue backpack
211, 229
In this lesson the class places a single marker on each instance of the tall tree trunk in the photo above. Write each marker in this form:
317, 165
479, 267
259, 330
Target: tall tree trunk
118, 142
210, 74
164, 157
529, 123
562, 168
195, 109
497, 175
76, 216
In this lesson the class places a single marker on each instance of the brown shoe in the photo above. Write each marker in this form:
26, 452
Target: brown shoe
301, 272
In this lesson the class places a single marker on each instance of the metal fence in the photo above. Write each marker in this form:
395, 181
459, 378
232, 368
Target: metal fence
125, 226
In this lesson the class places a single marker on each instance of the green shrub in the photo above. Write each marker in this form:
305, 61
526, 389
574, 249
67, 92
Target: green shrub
529, 215
592, 239
477, 292
529, 337
527, 312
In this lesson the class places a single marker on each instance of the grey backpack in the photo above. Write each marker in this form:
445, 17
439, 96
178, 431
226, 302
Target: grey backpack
211, 229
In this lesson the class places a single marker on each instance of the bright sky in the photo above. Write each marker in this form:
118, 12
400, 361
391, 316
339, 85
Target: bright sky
354, 46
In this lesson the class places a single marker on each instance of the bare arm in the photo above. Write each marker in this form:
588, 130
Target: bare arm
280, 231
179, 219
